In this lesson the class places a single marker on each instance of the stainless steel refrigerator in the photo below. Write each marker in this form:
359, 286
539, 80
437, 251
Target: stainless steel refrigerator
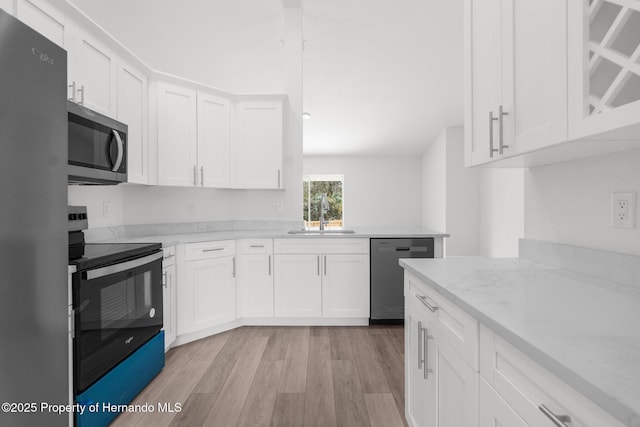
33, 236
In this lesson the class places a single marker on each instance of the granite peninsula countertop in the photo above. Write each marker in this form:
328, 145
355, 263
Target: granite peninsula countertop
583, 329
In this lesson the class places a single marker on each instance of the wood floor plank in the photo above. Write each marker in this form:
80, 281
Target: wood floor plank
220, 368
258, 406
288, 410
397, 337
371, 376
319, 331
382, 410
392, 364
228, 406
351, 409
195, 411
277, 345
294, 374
211, 346
319, 405
340, 344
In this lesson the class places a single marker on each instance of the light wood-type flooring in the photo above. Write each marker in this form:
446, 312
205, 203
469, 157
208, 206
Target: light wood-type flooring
281, 376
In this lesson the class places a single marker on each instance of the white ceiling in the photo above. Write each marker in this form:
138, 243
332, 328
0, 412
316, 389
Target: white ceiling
381, 77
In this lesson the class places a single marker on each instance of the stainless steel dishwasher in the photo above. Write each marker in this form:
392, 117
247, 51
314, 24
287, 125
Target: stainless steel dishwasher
387, 277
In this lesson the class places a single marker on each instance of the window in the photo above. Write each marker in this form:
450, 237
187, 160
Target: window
313, 187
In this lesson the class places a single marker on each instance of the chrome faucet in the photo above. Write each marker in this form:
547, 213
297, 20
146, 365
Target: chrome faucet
324, 207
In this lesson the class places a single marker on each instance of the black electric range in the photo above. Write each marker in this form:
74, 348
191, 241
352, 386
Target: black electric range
102, 254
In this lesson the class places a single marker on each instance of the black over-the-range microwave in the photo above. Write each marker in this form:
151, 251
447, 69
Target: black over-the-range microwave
97, 147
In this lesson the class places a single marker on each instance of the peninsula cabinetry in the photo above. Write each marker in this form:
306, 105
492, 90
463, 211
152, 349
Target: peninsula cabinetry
207, 295
321, 277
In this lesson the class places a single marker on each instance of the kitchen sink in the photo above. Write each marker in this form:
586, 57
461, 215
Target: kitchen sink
320, 232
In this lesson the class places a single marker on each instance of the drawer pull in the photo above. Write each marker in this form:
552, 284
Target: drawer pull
558, 420
213, 250
256, 246
423, 299
168, 256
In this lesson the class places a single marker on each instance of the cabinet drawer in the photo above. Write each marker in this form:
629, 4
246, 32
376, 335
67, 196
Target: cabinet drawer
206, 250
450, 322
168, 256
526, 386
255, 246
324, 245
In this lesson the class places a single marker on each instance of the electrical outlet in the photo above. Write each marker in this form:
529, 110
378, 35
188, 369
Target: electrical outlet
106, 209
192, 208
277, 207
623, 210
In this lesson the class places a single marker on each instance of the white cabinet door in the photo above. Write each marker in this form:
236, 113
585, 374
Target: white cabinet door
456, 384
214, 139
45, 19
420, 408
534, 74
259, 154
177, 143
94, 73
604, 68
298, 285
255, 279
133, 111
168, 305
209, 294
483, 94
345, 285
494, 411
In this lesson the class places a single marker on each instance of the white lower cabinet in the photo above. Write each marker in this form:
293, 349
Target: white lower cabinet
441, 386
207, 296
255, 277
321, 278
494, 411
169, 295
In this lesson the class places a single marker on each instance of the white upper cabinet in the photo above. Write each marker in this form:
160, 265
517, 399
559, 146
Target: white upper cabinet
259, 148
604, 68
133, 110
516, 89
214, 140
45, 19
177, 139
94, 72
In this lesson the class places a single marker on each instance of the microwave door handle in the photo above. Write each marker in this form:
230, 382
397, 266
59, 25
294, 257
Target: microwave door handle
123, 266
118, 162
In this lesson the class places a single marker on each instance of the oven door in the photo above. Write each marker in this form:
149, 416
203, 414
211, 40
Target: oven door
117, 308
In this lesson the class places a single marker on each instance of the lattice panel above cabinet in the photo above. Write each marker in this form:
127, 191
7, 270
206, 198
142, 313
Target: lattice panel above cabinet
613, 54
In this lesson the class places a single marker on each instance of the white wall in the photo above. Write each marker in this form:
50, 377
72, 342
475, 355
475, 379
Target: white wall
450, 200
571, 202
94, 197
378, 191
501, 211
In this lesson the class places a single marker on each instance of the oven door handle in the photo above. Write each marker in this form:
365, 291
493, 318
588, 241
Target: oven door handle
123, 266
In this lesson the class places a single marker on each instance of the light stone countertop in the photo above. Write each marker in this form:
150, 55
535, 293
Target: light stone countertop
166, 238
583, 329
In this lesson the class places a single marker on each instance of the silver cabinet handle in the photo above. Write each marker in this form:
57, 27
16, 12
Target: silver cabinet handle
256, 246
195, 176
81, 90
201, 176
501, 115
73, 92
426, 339
325, 266
278, 178
420, 346
168, 256
213, 250
234, 266
423, 300
164, 279
558, 420
269, 265
118, 162
318, 259
491, 120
